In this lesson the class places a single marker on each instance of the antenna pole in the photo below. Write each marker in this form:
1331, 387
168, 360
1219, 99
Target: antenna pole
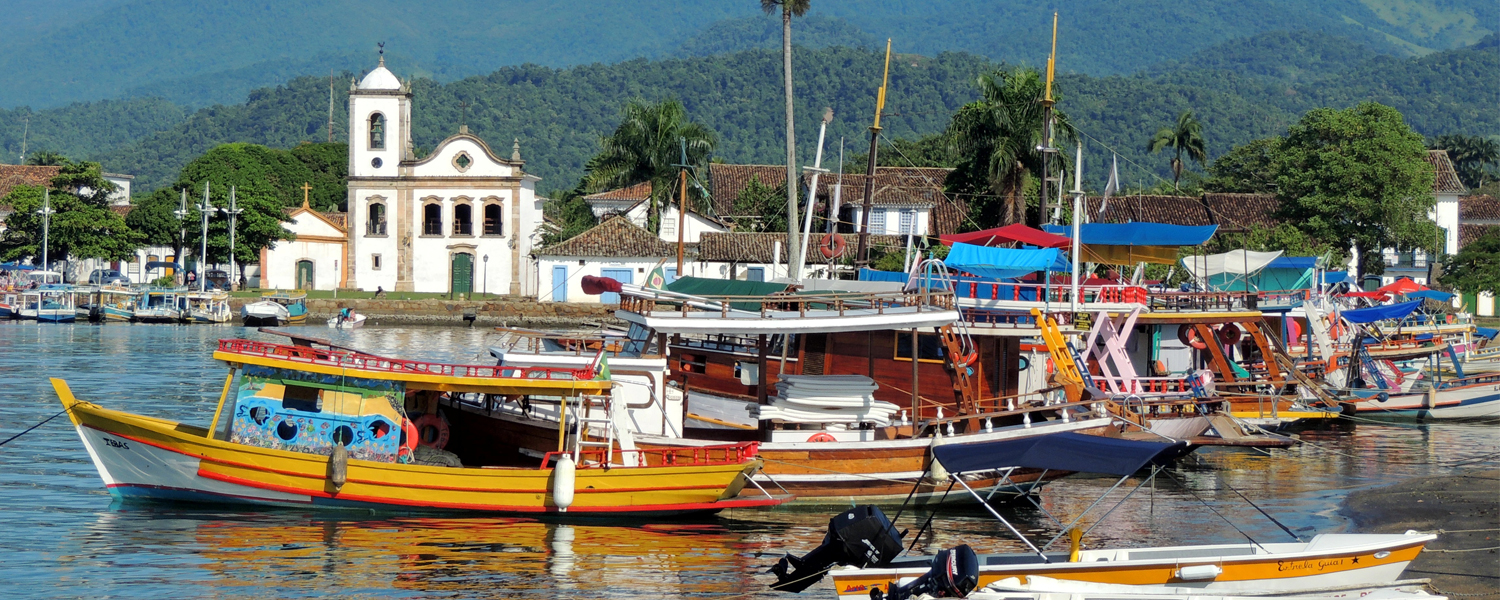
863, 257
330, 107
24, 134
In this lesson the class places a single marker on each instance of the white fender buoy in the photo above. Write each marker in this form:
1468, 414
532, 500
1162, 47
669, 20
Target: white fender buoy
563, 476
936, 470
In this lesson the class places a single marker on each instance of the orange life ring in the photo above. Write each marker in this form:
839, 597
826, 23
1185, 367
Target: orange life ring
1230, 334
1188, 335
408, 439
1051, 368
435, 424
1293, 330
832, 246
822, 436
968, 359
1336, 330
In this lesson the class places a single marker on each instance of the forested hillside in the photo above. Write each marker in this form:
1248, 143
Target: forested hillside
198, 53
559, 114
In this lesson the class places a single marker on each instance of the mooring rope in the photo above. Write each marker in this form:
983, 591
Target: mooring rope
28, 429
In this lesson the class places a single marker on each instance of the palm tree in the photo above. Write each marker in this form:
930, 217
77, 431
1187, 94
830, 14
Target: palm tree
47, 158
1471, 156
789, 9
645, 147
1186, 136
996, 139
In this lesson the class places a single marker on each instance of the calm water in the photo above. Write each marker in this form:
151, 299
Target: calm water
61, 536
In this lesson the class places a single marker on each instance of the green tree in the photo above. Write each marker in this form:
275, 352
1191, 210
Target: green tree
1184, 136
758, 208
644, 147
82, 226
329, 164
789, 9
567, 216
1248, 169
1472, 157
1357, 177
46, 158
995, 141
265, 182
1476, 267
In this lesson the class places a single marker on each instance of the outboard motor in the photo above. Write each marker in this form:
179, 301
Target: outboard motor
954, 573
861, 537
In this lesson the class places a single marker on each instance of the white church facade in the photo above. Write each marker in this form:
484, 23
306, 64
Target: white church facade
460, 220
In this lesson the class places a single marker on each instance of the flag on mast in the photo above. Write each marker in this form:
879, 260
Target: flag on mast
1111, 188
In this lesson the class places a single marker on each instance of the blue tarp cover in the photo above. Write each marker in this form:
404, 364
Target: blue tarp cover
868, 274
1293, 262
1486, 332
1137, 234
1058, 451
1333, 277
1431, 295
1004, 263
1380, 313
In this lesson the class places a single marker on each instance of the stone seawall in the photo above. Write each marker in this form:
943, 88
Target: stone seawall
503, 311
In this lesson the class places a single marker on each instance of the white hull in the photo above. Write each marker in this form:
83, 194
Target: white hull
341, 323
131, 468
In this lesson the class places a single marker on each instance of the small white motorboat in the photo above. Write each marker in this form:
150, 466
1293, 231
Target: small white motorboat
346, 319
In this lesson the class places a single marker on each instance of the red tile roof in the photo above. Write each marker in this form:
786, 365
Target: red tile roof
15, 175
894, 186
1447, 181
1478, 208
725, 182
1242, 211
1468, 233
1228, 211
616, 237
631, 193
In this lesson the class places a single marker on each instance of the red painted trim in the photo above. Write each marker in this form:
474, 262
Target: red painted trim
644, 508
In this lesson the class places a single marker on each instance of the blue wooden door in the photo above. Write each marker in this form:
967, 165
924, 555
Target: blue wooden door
755, 274
559, 283
671, 274
620, 275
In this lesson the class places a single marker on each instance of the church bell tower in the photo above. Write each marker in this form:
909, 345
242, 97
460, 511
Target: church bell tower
379, 124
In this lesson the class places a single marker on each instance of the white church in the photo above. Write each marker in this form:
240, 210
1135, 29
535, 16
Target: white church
460, 220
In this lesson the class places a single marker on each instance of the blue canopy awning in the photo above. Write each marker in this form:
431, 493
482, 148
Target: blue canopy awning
1431, 295
1137, 234
1004, 263
1333, 277
1381, 313
1058, 451
868, 274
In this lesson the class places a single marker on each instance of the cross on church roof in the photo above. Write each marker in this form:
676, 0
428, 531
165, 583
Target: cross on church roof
305, 189
463, 117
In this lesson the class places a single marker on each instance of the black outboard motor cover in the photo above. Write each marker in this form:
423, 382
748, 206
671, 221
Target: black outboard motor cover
861, 537
954, 573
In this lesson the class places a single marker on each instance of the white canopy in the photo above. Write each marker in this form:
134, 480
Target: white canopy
1234, 262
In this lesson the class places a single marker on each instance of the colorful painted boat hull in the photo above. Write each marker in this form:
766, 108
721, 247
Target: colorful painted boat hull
60, 315
145, 457
1329, 560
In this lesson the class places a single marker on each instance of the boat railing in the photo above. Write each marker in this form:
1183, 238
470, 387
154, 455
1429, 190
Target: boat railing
580, 344
984, 289
819, 304
599, 458
367, 362
1226, 301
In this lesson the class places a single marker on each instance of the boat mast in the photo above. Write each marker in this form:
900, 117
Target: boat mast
812, 196
1047, 149
46, 213
1077, 218
862, 258
682, 204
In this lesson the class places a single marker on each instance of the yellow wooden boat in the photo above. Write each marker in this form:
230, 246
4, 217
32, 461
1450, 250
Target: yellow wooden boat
310, 427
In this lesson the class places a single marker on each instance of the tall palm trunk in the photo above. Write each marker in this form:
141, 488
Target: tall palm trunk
791, 137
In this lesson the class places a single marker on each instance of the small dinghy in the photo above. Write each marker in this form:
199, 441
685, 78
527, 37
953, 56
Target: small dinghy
346, 319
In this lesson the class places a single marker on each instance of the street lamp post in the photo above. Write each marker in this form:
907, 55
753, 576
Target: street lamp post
182, 214
46, 213
204, 209
232, 211
486, 275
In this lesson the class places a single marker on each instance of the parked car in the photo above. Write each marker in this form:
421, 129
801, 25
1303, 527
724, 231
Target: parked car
108, 277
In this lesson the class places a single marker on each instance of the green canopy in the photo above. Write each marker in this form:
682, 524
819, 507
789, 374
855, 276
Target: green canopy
700, 286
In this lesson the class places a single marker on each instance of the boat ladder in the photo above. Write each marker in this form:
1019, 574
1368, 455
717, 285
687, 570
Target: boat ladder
1374, 371
614, 425
961, 354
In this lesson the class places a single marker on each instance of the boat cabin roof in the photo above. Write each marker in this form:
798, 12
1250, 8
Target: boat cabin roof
284, 296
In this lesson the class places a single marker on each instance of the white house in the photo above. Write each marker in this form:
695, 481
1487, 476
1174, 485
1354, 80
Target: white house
1446, 189
904, 199
311, 261
616, 248
635, 203
764, 256
460, 220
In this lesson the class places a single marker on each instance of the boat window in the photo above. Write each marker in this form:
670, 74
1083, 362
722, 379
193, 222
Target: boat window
299, 397
929, 347
640, 340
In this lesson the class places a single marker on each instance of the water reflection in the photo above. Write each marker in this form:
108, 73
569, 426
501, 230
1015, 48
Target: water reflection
63, 536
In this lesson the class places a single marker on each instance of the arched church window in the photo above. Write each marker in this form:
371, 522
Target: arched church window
432, 219
493, 224
376, 223
463, 219
377, 131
